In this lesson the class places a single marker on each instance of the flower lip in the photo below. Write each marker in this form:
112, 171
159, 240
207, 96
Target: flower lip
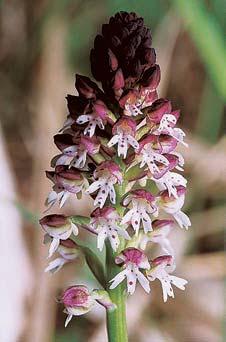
54, 220
76, 296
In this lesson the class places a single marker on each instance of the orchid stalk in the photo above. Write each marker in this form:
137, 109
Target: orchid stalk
118, 144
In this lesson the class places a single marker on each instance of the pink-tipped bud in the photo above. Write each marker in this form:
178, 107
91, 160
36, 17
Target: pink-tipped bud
112, 60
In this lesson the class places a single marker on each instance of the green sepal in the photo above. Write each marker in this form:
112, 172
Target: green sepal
103, 298
80, 220
134, 173
152, 187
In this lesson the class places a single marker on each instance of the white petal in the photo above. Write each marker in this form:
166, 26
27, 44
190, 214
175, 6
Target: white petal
122, 148
94, 187
132, 141
166, 246
123, 233
62, 160
112, 193
53, 246
131, 282
114, 240
68, 319
102, 234
146, 221
118, 279
55, 265
52, 198
182, 219
90, 129
114, 140
135, 221
83, 119
127, 216
178, 282
63, 198
102, 196
143, 281
166, 289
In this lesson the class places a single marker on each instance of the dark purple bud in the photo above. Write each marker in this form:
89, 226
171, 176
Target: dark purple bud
151, 78
86, 87
77, 105
63, 141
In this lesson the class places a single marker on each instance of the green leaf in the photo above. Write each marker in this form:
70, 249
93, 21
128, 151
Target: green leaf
95, 265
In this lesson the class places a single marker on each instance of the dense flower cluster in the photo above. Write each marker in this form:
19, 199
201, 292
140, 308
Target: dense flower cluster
119, 145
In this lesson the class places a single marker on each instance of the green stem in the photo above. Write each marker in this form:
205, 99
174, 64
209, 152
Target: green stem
116, 320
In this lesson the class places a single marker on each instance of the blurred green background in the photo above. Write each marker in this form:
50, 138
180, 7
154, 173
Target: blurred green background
43, 44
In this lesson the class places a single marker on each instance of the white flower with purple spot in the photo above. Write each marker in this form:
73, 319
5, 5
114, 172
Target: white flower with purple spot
68, 251
123, 134
97, 118
105, 222
67, 181
160, 269
132, 260
58, 227
106, 174
143, 206
74, 153
172, 205
170, 181
167, 126
150, 154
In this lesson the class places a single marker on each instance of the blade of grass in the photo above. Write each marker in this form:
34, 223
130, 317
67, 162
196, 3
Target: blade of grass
208, 37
